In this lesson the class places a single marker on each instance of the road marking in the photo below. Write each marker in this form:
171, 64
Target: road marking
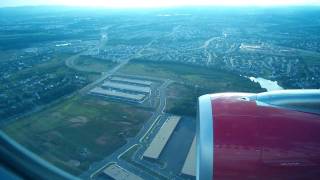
156, 120
97, 171
118, 157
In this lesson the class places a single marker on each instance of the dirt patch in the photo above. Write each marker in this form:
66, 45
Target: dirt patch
102, 140
125, 123
56, 115
53, 135
50, 139
103, 103
79, 119
76, 125
74, 163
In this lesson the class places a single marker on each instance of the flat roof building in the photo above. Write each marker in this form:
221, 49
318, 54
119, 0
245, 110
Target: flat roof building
189, 166
135, 81
127, 87
118, 173
161, 138
117, 94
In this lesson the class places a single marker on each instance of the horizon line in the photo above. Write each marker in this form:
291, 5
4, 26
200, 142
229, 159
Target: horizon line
163, 7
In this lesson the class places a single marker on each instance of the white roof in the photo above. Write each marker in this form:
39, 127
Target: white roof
136, 81
162, 137
128, 87
118, 94
189, 166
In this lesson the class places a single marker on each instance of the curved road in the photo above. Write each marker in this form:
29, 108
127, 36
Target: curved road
95, 168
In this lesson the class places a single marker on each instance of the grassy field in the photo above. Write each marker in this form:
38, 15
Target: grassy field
206, 78
182, 99
90, 64
79, 131
193, 82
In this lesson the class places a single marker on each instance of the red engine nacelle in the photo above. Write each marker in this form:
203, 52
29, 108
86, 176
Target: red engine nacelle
272, 135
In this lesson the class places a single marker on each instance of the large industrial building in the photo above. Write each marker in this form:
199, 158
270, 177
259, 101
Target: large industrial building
126, 87
189, 166
132, 81
117, 94
160, 140
118, 173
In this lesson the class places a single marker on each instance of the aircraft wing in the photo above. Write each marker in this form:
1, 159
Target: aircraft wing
272, 135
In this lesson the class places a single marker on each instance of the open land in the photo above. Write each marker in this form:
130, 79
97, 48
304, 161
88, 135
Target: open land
78, 131
51, 65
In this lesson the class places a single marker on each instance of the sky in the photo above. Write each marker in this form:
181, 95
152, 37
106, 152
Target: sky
156, 3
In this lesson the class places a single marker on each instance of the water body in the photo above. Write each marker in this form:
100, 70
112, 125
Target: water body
267, 84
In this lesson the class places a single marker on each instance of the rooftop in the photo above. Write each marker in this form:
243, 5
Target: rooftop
136, 81
189, 166
127, 87
117, 94
162, 137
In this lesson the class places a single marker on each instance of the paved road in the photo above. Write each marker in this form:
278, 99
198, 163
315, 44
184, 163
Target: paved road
114, 157
103, 77
69, 62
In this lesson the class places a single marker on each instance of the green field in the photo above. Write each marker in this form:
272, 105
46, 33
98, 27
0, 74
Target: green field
90, 64
79, 131
211, 79
193, 82
182, 99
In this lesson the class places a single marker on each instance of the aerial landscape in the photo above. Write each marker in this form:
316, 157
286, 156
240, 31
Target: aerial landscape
112, 94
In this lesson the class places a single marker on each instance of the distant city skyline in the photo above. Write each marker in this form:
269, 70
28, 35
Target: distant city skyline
153, 3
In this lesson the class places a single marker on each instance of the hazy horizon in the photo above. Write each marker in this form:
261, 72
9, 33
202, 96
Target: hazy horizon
156, 4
